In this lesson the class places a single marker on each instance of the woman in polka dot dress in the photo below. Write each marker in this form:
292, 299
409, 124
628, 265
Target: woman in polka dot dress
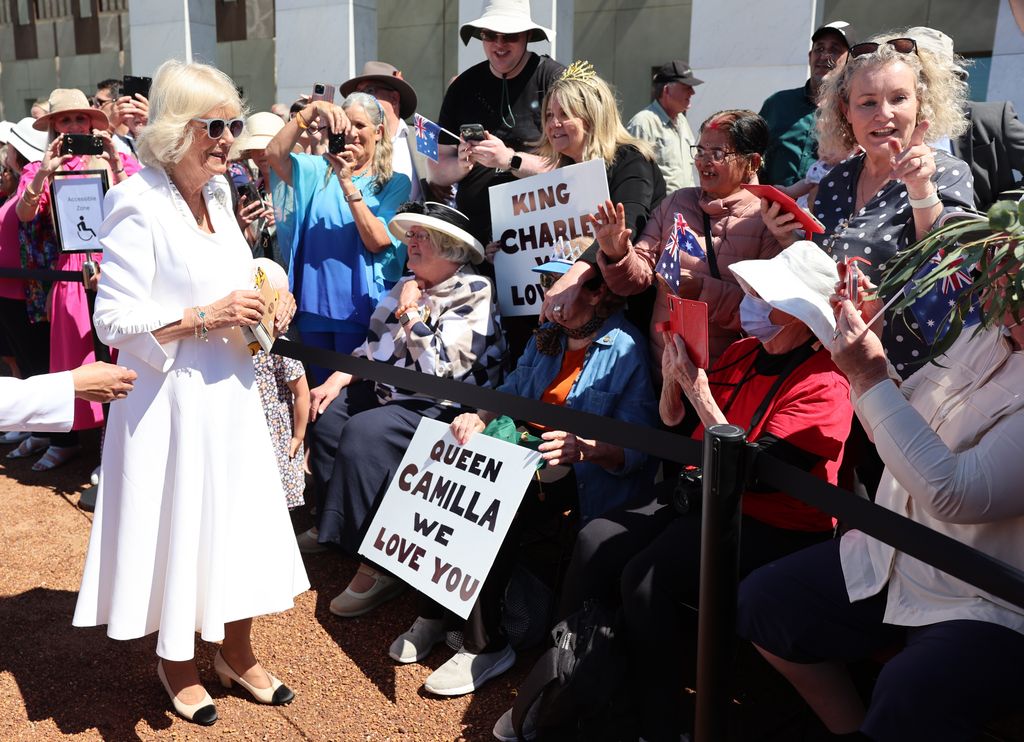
889, 100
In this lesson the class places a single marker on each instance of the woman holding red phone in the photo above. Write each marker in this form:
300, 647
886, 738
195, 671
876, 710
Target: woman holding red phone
63, 302
674, 243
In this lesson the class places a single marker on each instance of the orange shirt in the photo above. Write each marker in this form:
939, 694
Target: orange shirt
561, 385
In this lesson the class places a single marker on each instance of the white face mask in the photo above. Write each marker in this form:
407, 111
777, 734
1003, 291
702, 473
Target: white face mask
754, 319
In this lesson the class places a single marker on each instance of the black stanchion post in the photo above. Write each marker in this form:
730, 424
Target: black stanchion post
724, 477
87, 500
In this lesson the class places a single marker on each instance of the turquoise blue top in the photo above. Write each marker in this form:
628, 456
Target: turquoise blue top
336, 280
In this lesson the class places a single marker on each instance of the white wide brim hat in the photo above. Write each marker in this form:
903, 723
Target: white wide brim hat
260, 128
30, 142
797, 281
506, 16
439, 218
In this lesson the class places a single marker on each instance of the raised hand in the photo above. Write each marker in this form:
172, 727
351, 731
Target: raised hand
914, 165
610, 230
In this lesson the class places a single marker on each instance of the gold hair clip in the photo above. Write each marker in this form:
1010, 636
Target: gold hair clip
580, 70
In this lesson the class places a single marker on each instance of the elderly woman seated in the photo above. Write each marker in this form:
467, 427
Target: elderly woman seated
781, 386
442, 320
952, 440
591, 360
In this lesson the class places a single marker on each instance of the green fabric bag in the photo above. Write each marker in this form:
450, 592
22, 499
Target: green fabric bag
504, 428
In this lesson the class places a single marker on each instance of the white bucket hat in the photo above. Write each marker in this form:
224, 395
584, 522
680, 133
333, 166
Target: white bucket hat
797, 281
260, 128
506, 16
30, 142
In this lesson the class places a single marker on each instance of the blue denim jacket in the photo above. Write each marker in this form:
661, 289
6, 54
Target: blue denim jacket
615, 382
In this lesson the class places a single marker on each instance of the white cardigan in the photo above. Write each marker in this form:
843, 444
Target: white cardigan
952, 440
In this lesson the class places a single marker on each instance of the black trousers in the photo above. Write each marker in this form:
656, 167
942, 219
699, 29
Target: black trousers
481, 631
647, 560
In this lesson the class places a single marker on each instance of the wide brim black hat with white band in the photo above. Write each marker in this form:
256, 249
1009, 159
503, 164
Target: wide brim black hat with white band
440, 218
505, 17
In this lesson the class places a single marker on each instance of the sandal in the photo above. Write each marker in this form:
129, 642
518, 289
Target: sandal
56, 456
29, 447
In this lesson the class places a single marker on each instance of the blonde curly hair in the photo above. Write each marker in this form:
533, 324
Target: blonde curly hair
941, 95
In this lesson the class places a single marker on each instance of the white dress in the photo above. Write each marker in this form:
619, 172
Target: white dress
191, 530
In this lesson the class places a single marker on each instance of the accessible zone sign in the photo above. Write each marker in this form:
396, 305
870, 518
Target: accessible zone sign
530, 216
446, 513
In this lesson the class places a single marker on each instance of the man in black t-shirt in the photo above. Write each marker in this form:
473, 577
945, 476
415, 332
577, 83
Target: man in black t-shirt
503, 94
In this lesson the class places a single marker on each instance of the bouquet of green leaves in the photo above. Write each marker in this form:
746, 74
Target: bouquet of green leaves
991, 244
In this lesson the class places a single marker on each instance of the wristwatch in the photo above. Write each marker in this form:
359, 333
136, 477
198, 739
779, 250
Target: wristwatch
515, 162
407, 316
353, 197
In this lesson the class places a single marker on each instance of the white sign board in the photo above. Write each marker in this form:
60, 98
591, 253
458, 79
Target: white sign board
530, 216
77, 204
446, 512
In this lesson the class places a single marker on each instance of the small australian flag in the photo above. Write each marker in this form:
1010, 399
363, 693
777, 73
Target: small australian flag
427, 133
681, 238
932, 310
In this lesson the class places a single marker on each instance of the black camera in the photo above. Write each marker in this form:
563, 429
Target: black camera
81, 144
336, 143
131, 85
249, 192
689, 490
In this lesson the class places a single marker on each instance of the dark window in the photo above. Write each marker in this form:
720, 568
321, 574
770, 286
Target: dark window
230, 20
25, 44
87, 27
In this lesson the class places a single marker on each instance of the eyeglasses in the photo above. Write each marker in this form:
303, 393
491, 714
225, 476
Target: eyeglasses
495, 37
714, 154
215, 127
98, 102
418, 236
902, 45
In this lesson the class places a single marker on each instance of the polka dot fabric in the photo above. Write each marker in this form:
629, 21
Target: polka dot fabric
882, 228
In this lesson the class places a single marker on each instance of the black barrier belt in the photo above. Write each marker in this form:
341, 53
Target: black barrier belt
628, 435
40, 275
941, 551
916, 540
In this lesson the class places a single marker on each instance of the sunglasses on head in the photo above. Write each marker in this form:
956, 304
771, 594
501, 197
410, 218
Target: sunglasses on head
215, 127
494, 36
902, 45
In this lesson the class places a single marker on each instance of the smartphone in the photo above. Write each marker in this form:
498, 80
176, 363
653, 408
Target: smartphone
323, 91
852, 276
249, 192
81, 144
336, 143
472, 132
808, 223
131, 85
689, 320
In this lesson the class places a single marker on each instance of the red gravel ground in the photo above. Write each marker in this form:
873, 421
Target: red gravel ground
59, 682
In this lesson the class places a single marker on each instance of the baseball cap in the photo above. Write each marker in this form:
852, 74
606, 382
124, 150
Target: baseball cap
676, 71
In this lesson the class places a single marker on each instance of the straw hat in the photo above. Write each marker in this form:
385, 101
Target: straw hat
506, 16
390, 76
70, 100
260, 128
439, 218
797, 281
29, 142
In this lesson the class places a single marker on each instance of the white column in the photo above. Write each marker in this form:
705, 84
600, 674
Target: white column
1008, 58
554, 14
171, 29
322, 41
772, 56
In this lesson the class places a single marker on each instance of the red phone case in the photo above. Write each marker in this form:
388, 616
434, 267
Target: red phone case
808, 222
689, 320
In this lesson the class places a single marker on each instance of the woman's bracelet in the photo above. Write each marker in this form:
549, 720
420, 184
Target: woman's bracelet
29, 196
925, 203
199, 329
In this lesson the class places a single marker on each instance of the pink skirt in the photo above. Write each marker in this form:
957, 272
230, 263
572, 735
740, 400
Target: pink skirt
71, 343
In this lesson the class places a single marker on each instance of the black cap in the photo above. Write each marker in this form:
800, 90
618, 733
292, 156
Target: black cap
840, 28
676, 71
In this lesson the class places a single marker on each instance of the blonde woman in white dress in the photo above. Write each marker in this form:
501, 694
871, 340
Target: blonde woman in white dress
191, 531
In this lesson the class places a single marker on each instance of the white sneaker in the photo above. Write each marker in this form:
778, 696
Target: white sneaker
94, 478
465, 672
418, 641
504, 731
308, 543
